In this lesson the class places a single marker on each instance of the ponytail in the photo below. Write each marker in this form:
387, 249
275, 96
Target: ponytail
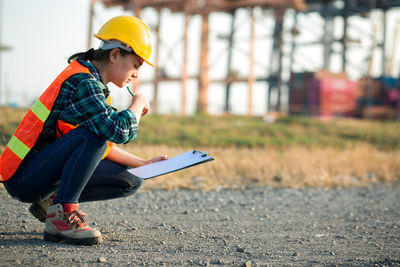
88, 55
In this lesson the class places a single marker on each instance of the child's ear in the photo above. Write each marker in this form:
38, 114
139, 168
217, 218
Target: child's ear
114, 54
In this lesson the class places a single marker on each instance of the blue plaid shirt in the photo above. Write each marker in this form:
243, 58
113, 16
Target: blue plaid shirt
82, 100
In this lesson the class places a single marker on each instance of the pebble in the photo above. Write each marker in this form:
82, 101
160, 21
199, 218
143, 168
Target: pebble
243, 250
101, 260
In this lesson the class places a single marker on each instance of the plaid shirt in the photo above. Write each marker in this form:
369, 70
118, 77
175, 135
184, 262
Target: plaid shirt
82, 100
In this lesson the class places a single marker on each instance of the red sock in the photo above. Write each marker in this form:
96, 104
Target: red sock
70, 207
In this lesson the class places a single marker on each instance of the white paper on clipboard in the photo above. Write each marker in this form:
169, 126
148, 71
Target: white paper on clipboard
182, 161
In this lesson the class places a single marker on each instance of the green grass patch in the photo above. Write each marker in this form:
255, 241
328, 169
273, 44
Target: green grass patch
250, 132
240, 131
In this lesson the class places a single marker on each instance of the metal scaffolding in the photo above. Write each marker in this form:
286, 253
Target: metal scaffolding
275, 77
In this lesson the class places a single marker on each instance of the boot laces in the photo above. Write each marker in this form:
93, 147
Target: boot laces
76, 218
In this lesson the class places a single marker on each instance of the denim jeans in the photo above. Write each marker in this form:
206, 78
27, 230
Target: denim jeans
72, 168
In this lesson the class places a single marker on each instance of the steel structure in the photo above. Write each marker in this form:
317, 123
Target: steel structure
327, 9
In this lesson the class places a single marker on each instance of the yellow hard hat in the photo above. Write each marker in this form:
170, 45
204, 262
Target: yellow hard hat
131, 31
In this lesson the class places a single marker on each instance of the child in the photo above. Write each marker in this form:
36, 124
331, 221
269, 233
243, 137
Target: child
62, 153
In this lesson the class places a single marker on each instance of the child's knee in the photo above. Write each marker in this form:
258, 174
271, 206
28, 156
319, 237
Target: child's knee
135, 184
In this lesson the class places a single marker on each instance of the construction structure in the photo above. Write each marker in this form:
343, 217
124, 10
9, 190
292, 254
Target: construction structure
281, 9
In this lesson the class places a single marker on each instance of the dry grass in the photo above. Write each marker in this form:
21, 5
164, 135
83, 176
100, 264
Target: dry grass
293, 152
293, 167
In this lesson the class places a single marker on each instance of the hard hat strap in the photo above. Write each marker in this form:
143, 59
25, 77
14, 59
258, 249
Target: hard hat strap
111, 44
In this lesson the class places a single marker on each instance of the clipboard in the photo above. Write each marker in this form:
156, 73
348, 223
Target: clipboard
180, 162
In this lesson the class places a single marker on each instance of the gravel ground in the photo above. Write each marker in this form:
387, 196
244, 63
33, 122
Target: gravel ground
253, 227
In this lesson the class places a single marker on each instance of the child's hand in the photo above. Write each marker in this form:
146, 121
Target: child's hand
139, 105
158, 158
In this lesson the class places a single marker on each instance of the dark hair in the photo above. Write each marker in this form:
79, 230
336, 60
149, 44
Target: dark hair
98, 55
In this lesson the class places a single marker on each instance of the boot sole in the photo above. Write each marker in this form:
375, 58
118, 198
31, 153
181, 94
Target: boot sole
38, 212
83, 241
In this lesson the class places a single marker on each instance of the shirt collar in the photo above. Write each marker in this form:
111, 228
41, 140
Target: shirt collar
95, 72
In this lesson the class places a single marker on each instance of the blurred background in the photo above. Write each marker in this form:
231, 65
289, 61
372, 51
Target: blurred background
255, 57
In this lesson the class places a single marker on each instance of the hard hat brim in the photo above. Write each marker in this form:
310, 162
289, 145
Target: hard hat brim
148, 62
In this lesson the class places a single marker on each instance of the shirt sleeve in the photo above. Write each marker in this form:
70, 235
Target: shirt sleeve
88, 107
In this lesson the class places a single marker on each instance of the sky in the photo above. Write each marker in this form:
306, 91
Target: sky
44, 33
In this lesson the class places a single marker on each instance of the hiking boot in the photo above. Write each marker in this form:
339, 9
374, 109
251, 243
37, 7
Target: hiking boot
39, 209
70, 227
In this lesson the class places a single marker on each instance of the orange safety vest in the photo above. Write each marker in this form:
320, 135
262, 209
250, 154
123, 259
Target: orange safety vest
31, 125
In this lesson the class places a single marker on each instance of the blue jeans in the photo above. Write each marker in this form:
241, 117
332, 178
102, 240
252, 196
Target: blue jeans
72, 167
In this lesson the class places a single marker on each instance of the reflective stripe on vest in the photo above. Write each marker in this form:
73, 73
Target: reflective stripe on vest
40, 110
19, 148
31, 125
